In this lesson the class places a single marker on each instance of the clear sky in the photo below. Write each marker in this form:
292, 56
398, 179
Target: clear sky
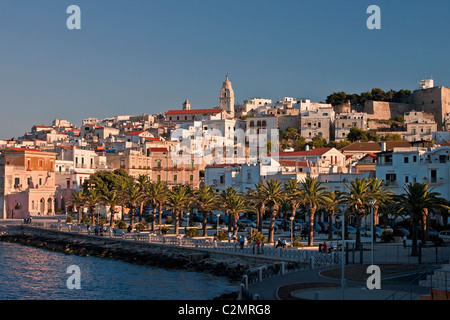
145, 56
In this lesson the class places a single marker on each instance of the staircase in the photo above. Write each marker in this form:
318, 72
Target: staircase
439, 284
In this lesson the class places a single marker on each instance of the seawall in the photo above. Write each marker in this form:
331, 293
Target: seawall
227, 264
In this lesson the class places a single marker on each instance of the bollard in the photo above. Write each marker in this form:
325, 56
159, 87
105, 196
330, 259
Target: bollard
260, 274
241, 289
282, 268
317, 296
256, 296
311, 262
245, 279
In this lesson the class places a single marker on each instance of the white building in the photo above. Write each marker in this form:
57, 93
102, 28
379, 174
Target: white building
345, 121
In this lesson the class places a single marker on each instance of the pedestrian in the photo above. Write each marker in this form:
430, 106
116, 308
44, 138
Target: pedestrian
88, 226
404, 241
114, 230
230, 236
258, 246
331, 247
279, 244
262, 246
242, 241
324, 247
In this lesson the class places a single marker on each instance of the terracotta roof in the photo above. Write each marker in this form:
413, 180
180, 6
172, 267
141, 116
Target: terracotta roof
152, 139
66, 147
313, 152
158, 149
292, 163
134, 133
24, 149
222, 165
374, 146
215, 111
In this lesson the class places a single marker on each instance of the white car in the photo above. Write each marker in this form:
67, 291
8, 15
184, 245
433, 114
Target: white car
445, 235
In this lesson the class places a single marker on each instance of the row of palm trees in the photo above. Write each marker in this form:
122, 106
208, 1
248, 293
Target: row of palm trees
267, 198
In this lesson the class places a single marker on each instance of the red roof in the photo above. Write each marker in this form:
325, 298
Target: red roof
223, 165
292, 163
215, 111
66, 147
313, 152
24, 149
158, 149
134, 133
152, 139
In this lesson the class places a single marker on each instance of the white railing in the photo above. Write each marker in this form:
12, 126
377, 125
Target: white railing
312, 257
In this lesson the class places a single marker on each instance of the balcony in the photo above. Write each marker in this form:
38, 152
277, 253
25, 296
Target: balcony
158, 168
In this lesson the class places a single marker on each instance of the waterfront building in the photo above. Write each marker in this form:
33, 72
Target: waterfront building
27, 183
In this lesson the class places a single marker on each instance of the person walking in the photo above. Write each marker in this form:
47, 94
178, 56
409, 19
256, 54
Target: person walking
404, 241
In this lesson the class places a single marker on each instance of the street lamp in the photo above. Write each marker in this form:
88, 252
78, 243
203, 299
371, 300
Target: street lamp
372, 203
217, 229
187, 223
342, 208
292, 229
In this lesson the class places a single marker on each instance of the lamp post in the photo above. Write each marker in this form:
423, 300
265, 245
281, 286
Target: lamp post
342, 208
292, 229
372, 203
217, 232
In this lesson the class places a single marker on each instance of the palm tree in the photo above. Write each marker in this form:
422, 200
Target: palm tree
133, 195
77, 200
143, 183
112, 198
274, 193
235, 202
205, 201
357, 198
417, 198
381, 194
93, 198
222, 204
177, 201
257, 198
330, 206
293, 195
314, 196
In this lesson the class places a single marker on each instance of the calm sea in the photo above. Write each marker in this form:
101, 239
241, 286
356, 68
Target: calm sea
28, 273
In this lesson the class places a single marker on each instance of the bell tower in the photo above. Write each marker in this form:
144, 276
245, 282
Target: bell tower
186, 105
226, 100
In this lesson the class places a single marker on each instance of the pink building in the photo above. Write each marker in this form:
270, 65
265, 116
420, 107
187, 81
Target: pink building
27, 183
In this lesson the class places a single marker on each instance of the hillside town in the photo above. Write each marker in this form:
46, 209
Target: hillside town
235, 145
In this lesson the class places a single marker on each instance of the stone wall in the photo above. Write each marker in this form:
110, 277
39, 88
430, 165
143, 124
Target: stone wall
382, 110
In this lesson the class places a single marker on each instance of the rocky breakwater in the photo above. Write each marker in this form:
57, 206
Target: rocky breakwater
233, 269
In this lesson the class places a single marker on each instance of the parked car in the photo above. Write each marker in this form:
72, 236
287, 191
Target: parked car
400, 232
351, 230
445, 235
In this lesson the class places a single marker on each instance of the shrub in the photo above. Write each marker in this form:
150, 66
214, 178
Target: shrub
121, 224
387, 236
141, 226
296, 242
69, 219
192, 232
85, 219
102, 221
223, 235
58, 210
169, 221
165, 230
256, 236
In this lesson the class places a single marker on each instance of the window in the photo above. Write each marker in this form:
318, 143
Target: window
433, 176
191, 177
406, 160
40, 181
158, 177
414, 158
16, 181
40, 163
175, 177
391, 177
222, 178
406, 179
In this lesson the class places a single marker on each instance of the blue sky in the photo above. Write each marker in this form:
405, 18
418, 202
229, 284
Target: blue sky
144, 56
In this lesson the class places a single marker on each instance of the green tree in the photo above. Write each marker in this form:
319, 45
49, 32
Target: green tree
357, 198
111, 198
205, 201
416, 199
314, 197
177, 201
78, 200
133, 195
275, 195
